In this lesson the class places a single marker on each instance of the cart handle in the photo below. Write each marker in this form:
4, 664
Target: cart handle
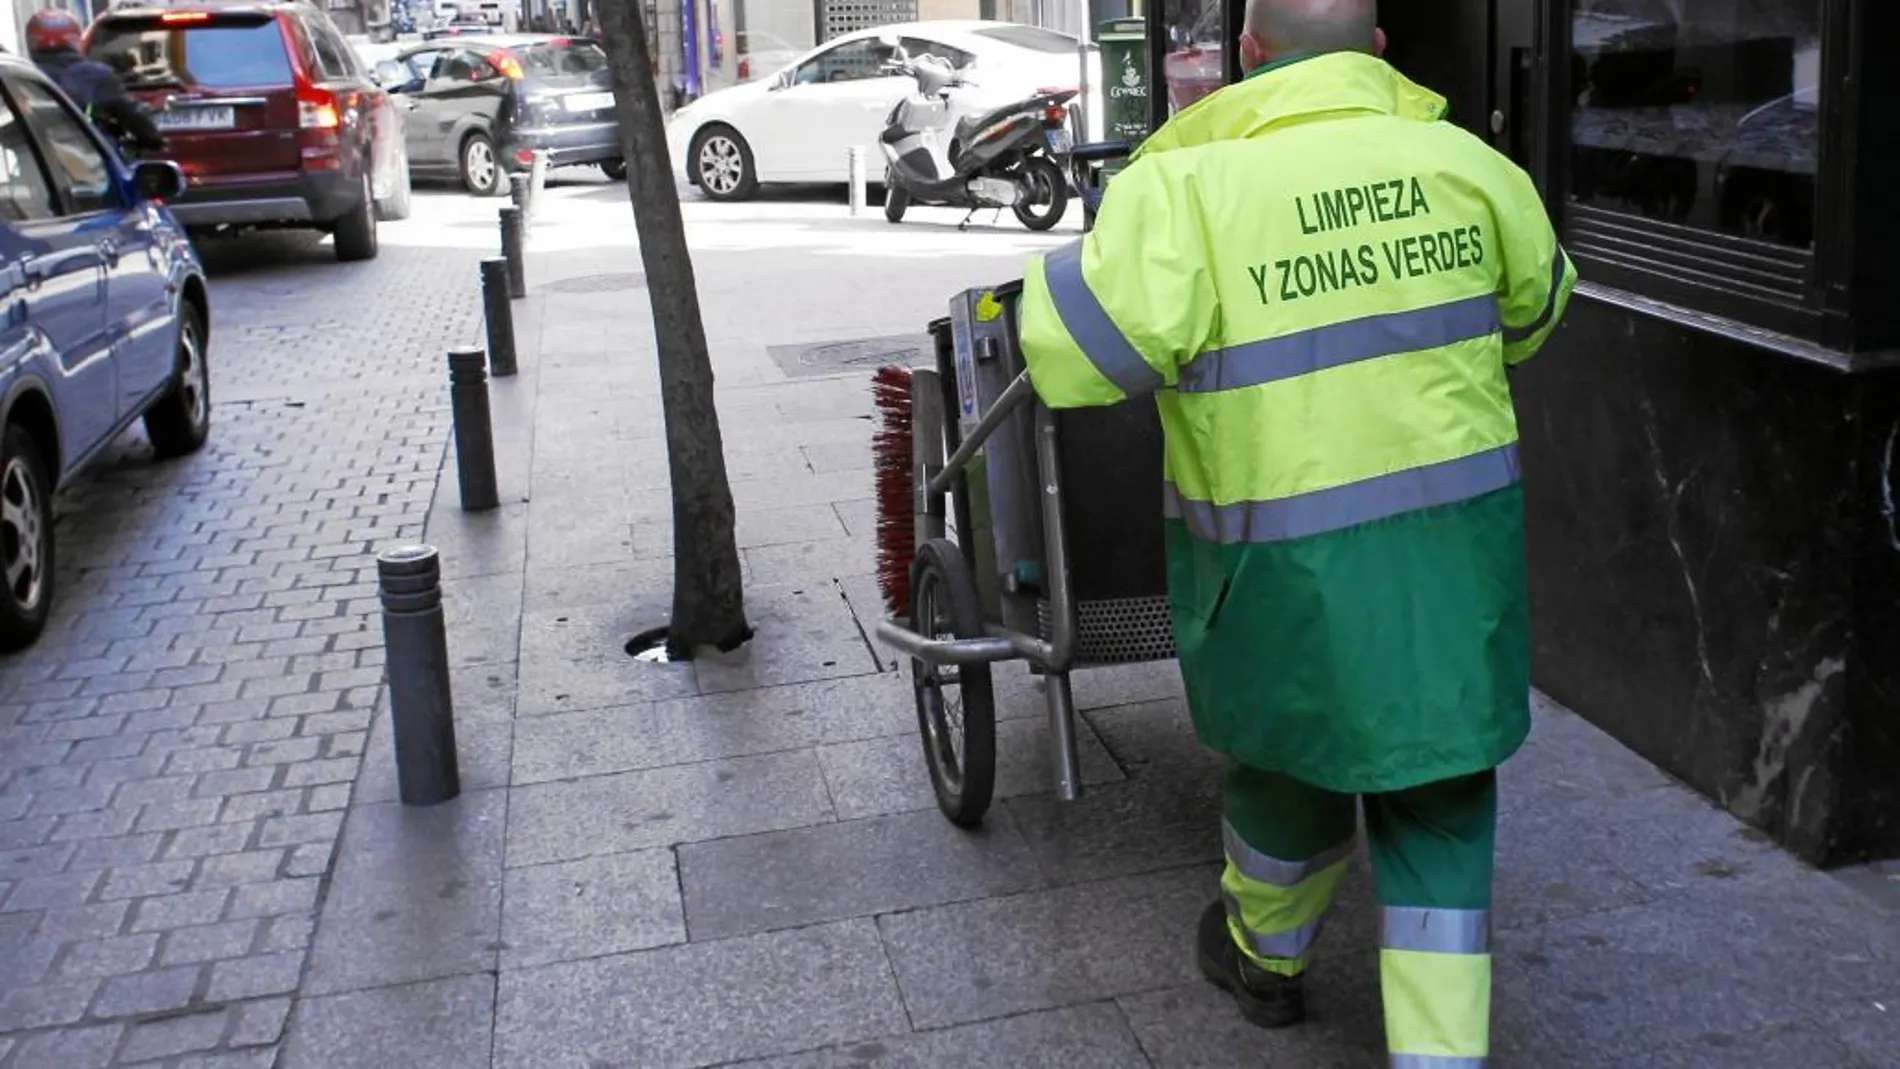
1015, 396
942, 651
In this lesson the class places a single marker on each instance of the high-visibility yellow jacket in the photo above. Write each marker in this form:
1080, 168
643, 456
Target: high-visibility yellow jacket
1323, 283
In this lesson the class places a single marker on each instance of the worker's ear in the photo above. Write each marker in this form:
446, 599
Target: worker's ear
1378, 41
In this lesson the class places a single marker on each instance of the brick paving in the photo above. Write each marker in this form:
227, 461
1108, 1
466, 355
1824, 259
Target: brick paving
178, 751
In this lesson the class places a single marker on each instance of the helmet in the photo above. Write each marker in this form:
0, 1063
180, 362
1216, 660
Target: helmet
53, 30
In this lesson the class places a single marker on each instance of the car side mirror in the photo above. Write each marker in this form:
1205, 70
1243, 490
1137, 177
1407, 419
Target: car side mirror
782, 80
158, 179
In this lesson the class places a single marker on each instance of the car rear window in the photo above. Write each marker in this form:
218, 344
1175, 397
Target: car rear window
554, 59
1034, 38
215, 53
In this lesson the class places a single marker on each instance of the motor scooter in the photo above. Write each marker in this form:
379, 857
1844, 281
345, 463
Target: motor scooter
1005, 158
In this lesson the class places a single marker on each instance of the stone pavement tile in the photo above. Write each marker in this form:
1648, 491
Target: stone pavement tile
800, 563
1096, 1036
69, 1048
566, 541
703, 1003
1166, 813
481, 692
552, 589
592, 907
479, 543
1871, 1034
1563, 850
438, 1024
659, 807
837, 456
1020, 693
1619, 985
704, 728
1047, 949
859, 517
45, 1004
483, 749
888, 775
752, 529
575, 658
820, 488
171, 1036
416, 895
785, 879
1777, 1047
800, 633
482, 615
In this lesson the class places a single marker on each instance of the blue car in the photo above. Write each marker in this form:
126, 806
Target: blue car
104, 322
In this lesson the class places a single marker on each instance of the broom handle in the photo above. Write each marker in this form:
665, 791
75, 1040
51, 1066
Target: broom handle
1015, 396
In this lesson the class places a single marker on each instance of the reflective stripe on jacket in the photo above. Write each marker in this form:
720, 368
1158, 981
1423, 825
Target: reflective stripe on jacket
1323, 284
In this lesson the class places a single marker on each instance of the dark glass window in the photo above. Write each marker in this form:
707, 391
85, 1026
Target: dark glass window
1700, 113
223, 52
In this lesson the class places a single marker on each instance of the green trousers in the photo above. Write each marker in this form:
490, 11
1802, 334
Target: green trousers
1287, 846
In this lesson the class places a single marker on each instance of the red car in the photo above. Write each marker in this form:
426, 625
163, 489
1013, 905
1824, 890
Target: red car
270, 114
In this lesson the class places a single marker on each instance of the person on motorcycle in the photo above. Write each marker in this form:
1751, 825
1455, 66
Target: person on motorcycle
53, 40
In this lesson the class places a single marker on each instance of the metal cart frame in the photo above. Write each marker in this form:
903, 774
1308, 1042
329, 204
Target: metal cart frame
941, 462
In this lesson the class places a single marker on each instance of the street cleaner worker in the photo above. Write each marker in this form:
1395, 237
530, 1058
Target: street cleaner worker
53, 40
1323, 282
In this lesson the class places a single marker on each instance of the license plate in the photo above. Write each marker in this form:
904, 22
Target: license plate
1059, 141
587, 101
197, 119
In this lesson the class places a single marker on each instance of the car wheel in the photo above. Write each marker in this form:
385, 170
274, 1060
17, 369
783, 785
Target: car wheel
722, 163
396, 206
179, 422
615, 170
26, 540
356, 232
482, 173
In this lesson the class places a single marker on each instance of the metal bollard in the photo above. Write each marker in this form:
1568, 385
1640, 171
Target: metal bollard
518, 192
537, 180
854, 160
511, 251
500, 316
474, 430
416, 655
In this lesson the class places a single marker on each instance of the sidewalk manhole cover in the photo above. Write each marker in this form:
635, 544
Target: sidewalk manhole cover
854, 355
608, 283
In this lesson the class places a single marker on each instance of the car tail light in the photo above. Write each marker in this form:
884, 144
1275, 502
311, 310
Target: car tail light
524, 157
172, 18
319, 120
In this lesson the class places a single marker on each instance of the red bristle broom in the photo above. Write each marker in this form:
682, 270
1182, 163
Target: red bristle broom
896, 486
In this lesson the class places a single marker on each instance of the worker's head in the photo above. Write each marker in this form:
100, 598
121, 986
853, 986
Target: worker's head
1276, 29
53, 30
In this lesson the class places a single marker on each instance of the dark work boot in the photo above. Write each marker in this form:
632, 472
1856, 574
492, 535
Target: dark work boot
1267, 1000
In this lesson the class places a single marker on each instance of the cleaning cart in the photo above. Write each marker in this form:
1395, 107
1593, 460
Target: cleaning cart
1014, 533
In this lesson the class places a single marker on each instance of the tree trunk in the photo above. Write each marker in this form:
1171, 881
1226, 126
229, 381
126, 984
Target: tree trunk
708, 595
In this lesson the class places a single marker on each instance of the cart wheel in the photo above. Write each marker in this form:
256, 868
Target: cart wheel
956, 709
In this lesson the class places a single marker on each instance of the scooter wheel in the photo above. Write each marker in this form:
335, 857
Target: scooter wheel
1044, 192
896, 199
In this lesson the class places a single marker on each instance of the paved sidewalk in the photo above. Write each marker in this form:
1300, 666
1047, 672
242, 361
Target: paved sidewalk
738, 861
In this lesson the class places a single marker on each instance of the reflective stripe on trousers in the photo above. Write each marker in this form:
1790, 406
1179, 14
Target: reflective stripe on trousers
1276, 907
1435, 975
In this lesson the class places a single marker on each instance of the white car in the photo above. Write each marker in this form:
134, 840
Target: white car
795, 125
